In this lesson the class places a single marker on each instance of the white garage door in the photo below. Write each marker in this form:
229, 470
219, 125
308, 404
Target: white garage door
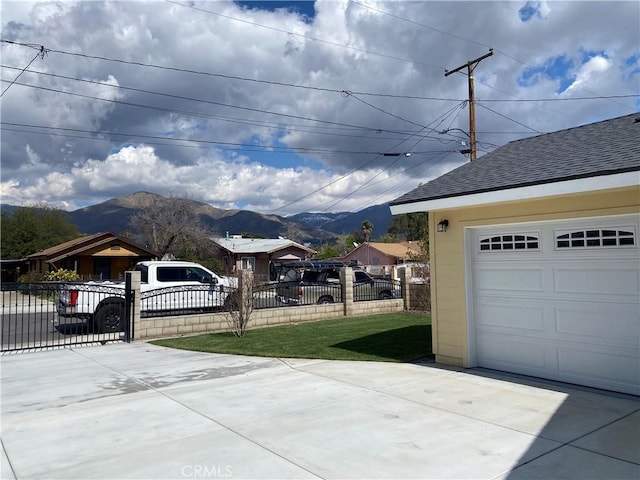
559, 300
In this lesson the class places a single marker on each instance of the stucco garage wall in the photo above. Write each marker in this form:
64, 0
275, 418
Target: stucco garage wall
447, 256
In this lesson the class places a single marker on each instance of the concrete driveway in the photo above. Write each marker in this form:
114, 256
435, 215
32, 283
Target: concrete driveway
142, 411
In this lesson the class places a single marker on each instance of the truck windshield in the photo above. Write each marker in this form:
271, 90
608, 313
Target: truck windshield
144, 273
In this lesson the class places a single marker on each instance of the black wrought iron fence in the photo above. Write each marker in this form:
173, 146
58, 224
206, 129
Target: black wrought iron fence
308, 293
185, 300
34, 315
265, 296
376, 289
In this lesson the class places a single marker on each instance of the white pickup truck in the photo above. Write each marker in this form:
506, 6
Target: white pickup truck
166, 287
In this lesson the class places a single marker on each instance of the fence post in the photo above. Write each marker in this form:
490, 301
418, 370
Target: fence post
132, 302
405, 282
346, 280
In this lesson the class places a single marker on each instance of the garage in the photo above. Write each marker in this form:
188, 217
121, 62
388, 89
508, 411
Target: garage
558, 299
534, 256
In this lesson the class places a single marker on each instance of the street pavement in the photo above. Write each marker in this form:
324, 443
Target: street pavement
142, 411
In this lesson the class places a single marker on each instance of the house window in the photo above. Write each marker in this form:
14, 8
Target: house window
596, 237
510, 242
248, 263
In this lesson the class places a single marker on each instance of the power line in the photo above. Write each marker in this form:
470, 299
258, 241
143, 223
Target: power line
349, 94
429, 163
277, 149
40, 54
510, 119
210, 116
475, 43
369, 7
306, 37
204, 115
225, 76
442, 117
306, 87
199, 100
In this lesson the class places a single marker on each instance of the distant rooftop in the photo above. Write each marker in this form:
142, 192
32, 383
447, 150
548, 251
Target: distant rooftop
237, 244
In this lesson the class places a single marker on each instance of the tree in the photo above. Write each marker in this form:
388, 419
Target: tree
327, 251
367, 230
346, 243
387, 238
239, 304
34, 228
409, 226
172, 227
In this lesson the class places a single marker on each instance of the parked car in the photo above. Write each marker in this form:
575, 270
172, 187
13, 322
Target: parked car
180, 286
319, 282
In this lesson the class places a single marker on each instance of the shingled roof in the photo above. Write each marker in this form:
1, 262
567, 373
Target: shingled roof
597, 149
258, 245
85, 243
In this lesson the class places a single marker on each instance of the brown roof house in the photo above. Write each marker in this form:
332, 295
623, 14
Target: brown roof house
535, 257
382, 258
100, 256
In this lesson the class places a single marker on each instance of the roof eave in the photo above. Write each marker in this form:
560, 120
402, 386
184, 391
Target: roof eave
530, 192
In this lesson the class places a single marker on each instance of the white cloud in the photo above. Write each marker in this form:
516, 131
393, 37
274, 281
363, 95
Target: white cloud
80, 167
591, 73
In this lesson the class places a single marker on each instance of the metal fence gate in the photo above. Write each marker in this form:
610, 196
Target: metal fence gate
29, 318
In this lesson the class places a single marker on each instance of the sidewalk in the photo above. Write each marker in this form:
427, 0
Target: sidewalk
141, 411
15, 303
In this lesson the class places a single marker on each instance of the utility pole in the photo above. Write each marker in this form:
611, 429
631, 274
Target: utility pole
471, 65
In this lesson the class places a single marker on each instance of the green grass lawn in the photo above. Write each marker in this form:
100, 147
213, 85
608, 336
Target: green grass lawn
395, 337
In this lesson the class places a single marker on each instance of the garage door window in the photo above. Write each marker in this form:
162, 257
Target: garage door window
509, 242
594, 238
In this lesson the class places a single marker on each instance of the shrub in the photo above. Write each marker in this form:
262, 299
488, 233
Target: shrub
62, 275
31, 277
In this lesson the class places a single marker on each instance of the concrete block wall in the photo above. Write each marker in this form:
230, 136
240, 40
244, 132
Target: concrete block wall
179, 325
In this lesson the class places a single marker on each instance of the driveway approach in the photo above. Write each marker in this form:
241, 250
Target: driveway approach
142, 411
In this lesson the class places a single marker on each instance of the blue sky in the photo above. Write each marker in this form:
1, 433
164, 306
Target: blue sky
306, 8
285, 107
562, 69
530, 10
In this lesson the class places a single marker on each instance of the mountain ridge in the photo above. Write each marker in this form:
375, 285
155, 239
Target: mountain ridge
114, 215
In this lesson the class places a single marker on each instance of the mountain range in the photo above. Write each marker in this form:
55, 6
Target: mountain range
315, 228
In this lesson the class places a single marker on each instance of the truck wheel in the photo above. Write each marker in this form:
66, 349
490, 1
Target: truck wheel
91, 325
325, 299
110, 316
386, 295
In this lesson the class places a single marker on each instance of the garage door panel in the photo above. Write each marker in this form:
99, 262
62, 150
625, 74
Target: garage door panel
570, 314
596, 367
503, 350
596, 279
613, 325
510, 278
514, 317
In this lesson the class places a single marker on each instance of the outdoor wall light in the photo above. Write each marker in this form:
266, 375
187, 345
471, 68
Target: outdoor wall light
442, 226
